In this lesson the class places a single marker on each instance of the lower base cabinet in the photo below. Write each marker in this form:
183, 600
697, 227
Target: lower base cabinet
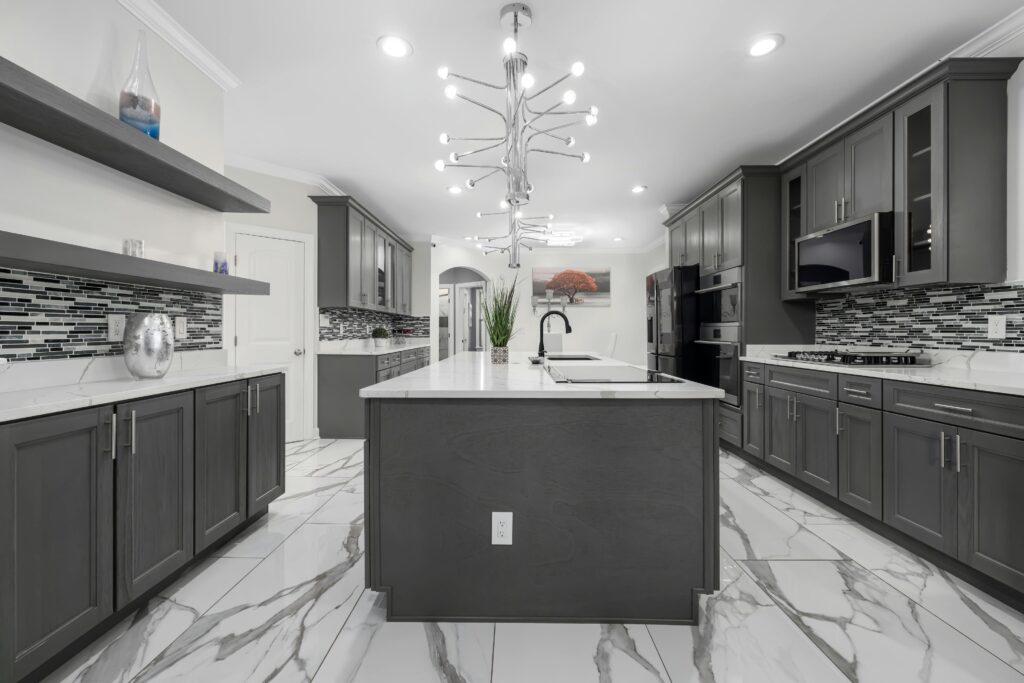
56, 535
814, 420
222, 455
753, 419
730, 424
266, 442
859, 458
779, 435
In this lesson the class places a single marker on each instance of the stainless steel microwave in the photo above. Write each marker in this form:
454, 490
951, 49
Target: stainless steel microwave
857, 252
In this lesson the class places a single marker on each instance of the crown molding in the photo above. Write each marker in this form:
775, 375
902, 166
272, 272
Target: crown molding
156, 19
284, 172
992, 38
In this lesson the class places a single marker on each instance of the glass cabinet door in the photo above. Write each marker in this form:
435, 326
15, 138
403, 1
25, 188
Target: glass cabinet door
381, 283
794, 226
391, 268
919, 197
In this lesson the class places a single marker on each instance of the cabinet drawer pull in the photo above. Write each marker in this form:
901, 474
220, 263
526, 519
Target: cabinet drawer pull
858, 392
957, 409
791, 384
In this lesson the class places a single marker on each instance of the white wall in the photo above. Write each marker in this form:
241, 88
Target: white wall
290, 205
591, 326
86, 47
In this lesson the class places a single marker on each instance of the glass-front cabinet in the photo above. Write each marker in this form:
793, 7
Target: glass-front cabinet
794, 226
919, 193
381, 275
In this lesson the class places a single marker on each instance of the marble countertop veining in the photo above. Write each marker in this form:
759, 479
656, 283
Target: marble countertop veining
472, 375
365, 347
27, 402
996, 372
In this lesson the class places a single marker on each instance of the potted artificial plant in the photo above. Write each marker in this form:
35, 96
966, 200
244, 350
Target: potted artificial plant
500, 319
380, 336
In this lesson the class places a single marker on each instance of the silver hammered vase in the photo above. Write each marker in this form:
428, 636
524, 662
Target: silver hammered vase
148, 345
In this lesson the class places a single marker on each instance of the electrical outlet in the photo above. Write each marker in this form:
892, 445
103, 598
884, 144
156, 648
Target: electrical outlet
501, 528
115, 327
180, 327
325, 320
997, 327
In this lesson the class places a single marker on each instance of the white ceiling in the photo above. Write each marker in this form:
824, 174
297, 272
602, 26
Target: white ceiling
681, 102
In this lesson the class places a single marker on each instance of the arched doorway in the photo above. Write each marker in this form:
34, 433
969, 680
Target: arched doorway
460, 315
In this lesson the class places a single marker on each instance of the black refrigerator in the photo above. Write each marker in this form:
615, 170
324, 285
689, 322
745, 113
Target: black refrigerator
673, 323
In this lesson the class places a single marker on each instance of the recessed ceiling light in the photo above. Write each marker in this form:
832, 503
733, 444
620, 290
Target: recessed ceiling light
393, 46
765, 44
455, 189
616, 239
637, 189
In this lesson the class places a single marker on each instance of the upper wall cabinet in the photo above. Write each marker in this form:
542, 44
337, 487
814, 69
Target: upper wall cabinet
933, 153
361, 262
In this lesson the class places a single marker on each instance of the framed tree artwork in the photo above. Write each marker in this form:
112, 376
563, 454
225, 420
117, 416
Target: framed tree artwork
577, 286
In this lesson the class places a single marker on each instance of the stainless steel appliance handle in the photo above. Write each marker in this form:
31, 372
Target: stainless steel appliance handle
133, 432
713, 343
718, 288
942, 449
958, 409
958, 453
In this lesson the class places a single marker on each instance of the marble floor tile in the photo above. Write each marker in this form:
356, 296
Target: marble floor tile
742, 636
985, 620
871, 631
370, 650
800, 507
343, 508
279, 622
730, 465
576, 653
342, 459
299, 451
128, 647
753, 529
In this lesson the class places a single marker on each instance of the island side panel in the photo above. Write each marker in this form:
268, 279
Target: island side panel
614, 503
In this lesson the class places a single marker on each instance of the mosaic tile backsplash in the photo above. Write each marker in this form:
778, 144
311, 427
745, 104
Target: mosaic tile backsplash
45, 316
940, 317
350, 323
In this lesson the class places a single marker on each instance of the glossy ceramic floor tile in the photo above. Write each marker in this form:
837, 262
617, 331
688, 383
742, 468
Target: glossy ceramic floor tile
340, 459
344, 507
800, 507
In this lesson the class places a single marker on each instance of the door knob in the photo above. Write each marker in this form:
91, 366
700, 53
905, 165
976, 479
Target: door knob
298, 352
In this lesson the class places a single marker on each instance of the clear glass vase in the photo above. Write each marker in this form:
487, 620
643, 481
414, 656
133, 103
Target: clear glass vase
139, 105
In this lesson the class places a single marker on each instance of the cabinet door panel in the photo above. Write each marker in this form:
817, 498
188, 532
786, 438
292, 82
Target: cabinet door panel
711, 235
56, 535
825, 186
356, 294
731, 203
991, 505
676, 245
920, 489
154, 491
266, 442
221, 454
753, 419
794, 226
860, 458
692, 238
780, 434
368, 268
869, 162
816, 442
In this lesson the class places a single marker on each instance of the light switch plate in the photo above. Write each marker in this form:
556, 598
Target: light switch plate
997, 327
501, 528
115, 327
180, 327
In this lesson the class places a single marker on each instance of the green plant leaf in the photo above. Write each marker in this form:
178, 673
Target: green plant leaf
500, 313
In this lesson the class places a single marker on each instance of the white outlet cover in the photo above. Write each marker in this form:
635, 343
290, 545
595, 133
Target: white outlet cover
501, 528
180, 327
997, 327
115, 327
325, 320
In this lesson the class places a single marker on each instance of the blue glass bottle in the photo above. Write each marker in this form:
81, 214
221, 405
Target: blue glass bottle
139, 105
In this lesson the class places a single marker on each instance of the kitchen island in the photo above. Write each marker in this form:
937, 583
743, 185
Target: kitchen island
613, 490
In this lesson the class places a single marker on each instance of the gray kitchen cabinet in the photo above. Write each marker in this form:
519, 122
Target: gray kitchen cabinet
730, 424
692, 239
814, 420
56, 534
710, 235
221, 459
155, 486
403, 282
826, 182
868, 174
860, 458
731, 207
794, 226
920, 489
753, 419
779, 433
358, 257
990, 481
265, 465
677, 245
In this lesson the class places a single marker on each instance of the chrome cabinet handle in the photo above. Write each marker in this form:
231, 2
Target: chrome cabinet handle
757, 393
133, 432
789, 408
796, 409
859, 392
895, 269
838, 428
942, 448
835, 211
958, 453
957, 409
248, 401
842, 209
257, 398
113, 436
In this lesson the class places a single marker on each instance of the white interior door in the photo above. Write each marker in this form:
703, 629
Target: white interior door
269, 329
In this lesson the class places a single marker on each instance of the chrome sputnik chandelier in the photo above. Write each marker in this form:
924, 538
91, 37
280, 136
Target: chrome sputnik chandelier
527, 126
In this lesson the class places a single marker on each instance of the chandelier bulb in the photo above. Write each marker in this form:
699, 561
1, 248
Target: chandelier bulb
576, 69
519, 214
590, 119
442, 73
586, 158
527, 81
503, 204
551, 217
453, 157
593, 111
569, 97
445, 138
509, 46
570, 141
529, 188
479, 214
439, 164
450, 91
470, 184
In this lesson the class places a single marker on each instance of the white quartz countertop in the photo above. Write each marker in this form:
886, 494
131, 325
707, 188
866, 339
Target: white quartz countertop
365, 347
26, 402
472, 375
987, 372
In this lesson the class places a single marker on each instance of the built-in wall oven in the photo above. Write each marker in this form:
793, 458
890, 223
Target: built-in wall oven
720, 353
721, 297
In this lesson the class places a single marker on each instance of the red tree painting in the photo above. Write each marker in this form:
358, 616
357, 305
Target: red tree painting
571, 282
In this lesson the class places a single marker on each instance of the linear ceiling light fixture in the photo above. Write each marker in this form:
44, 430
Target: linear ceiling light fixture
526, 126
